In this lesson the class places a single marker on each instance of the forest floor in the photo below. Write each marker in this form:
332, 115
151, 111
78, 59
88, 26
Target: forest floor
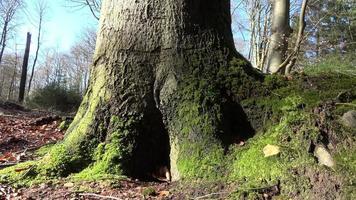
23, 132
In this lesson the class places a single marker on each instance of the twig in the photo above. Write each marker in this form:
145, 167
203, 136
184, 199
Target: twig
99, 196
31, 149
346, 104
208, 195
7, 165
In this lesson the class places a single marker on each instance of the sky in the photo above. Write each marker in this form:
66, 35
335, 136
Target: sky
62, 26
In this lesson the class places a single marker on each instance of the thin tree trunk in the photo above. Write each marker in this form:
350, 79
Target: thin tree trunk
12, 83
289, 62
156, 96
2, 83
3, 40
24, 69
300, 37
36, 55
280, 33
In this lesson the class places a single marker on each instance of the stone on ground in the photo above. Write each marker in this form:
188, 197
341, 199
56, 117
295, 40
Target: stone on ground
324, 157
349, 119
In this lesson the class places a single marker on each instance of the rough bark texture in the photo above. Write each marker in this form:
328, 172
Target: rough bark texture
160, 93
280, 33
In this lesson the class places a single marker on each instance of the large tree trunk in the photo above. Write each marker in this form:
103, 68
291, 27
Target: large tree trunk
159, 93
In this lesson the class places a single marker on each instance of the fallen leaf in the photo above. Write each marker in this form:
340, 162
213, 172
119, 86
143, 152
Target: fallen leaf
271, 150
163, 193
68, 185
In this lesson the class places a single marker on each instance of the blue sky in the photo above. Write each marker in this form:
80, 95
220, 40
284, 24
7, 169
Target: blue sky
62, 27
64, 24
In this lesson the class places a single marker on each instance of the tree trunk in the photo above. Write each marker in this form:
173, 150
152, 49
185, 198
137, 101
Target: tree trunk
36, 55
280, 33
13, 77
159, 94
24, 69
3, 39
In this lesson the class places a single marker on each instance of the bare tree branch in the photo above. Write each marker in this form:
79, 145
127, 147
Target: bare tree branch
93, 5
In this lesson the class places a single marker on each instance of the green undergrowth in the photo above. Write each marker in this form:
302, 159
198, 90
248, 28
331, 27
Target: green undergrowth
334, 63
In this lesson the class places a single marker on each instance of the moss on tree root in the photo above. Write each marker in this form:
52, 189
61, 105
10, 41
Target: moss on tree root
201, 149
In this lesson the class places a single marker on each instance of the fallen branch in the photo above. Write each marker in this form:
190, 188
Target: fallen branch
346, 104
209, 195
31, 149
99, 196
7, 165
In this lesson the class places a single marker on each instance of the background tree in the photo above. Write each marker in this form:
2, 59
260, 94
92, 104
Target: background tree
280, 32
24, 69
41, 9
331, 28
14, 76
9, 76
8, 9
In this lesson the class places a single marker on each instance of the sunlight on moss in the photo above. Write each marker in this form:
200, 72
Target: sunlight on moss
253, 169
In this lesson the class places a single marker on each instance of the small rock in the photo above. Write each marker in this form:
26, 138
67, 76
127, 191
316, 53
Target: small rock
68, 185
43, 186
271, 150
324, 157
349, 119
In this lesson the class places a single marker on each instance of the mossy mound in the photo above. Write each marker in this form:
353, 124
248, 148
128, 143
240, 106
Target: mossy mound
297, 115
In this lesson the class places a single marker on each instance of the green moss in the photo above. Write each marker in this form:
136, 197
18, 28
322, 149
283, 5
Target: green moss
196, 125
252, 167
64, 125
148, 192
43, 150
289, 122
346, 168
109, 157
74, 153
22, 174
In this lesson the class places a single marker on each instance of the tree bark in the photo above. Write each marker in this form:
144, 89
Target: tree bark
280, 33
24, 68
158, 93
